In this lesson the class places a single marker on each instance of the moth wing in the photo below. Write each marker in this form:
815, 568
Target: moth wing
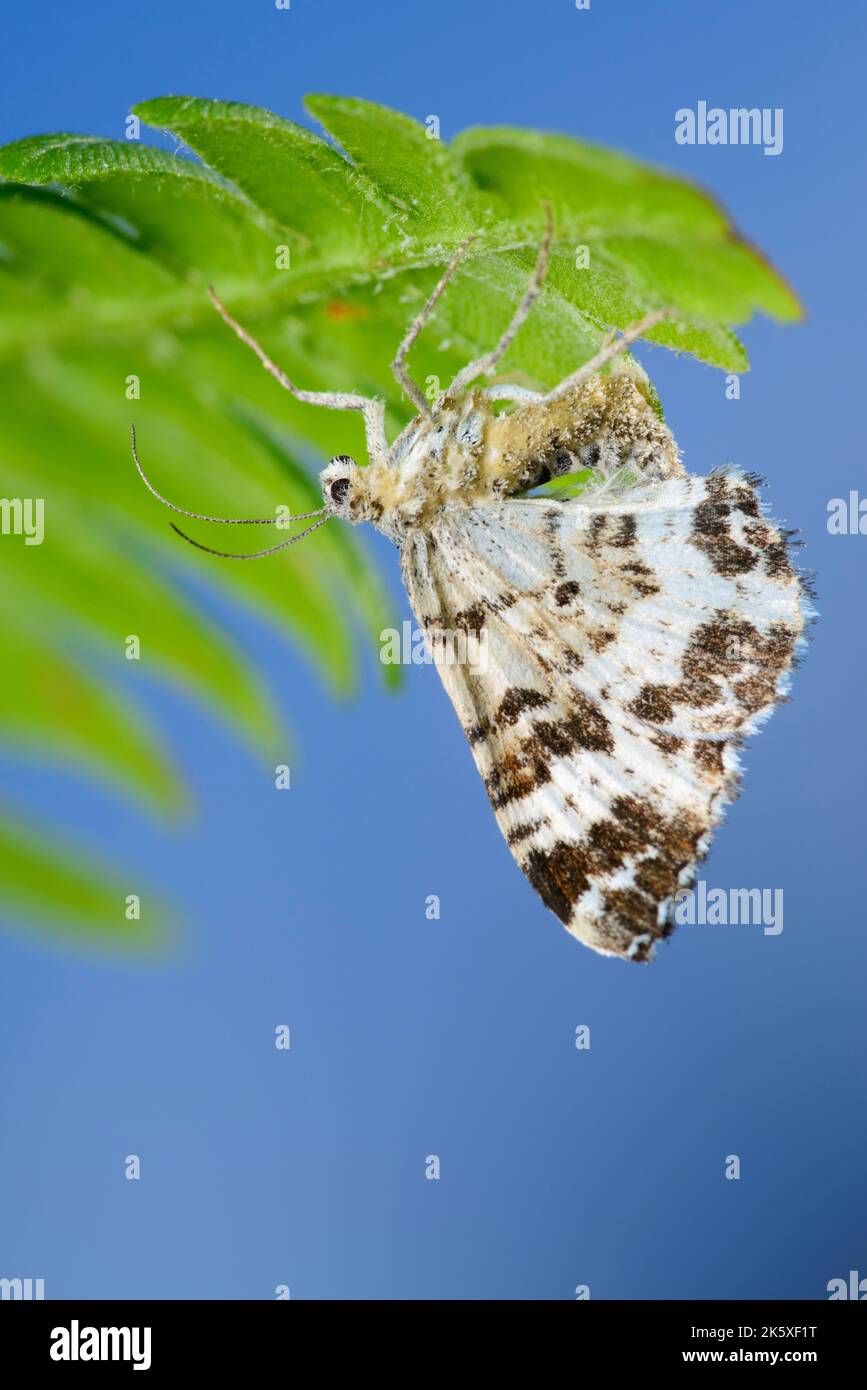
623, 650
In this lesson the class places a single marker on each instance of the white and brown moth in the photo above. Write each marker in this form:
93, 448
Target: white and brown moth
634, 634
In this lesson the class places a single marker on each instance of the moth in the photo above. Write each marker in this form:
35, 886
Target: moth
634, 633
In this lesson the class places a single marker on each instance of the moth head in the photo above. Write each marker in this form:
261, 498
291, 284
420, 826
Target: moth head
340, 485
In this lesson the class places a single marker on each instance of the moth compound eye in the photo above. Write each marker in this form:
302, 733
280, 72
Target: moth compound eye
337, 488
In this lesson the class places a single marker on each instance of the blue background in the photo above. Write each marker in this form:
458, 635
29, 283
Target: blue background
559, 1167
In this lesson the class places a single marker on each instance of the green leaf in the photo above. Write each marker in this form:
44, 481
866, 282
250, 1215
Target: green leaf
516, 171
665, 235
287, 172
56, 889
415, 174
325, 248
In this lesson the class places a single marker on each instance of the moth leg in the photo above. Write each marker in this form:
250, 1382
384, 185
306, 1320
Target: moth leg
398, 366
486, 364
372, 410
611, 348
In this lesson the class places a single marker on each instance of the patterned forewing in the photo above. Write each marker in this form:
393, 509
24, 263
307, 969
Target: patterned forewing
624, 650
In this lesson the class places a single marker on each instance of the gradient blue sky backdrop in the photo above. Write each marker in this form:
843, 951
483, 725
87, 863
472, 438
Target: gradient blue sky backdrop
559, 1167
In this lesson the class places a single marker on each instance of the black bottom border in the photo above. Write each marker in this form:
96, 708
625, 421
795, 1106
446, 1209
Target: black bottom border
206, 1336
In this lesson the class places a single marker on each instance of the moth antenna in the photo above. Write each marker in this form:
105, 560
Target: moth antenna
252, 554
199, 516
